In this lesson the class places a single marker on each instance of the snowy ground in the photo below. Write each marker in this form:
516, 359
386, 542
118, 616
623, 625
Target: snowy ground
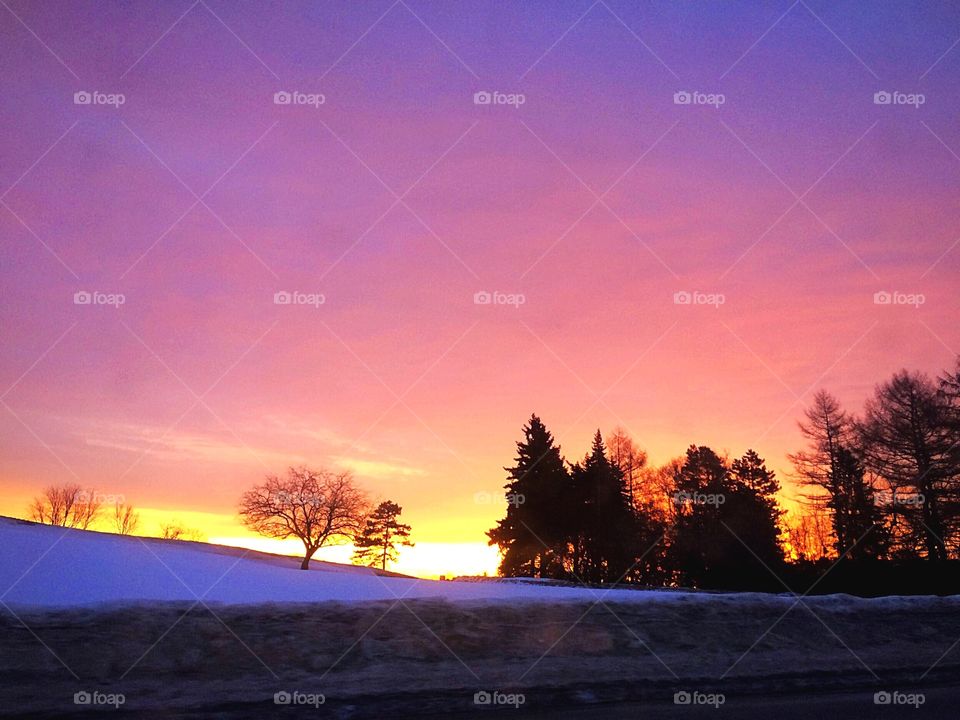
192, 630
47, 566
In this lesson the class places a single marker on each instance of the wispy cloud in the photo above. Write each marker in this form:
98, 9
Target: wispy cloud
378, 469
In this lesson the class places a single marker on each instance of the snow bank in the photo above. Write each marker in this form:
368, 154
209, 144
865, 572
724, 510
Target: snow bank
44, 566
50, 567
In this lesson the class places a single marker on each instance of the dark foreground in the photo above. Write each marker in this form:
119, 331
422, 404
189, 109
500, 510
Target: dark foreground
749, 656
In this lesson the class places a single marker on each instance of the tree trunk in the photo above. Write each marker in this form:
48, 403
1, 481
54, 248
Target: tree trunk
305, 565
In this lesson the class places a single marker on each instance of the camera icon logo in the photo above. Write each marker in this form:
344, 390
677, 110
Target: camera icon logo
882, 298
682, 97
281, 698
82, 298
882, 698
282, 97
282, 298
82, 97
682, 697
82, 698
482, 98
882, 97
482, 298
482, 698
682, 297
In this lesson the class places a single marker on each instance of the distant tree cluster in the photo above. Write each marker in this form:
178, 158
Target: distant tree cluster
883, 486
610, 518
889, 479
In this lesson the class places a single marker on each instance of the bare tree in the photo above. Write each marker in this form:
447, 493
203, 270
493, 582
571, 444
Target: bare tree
66, 506
908, 439
628, 458
315, 506
125, 518
832, 467
810, 534
175, 530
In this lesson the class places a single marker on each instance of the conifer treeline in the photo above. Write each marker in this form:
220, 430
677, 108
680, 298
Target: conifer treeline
881, 486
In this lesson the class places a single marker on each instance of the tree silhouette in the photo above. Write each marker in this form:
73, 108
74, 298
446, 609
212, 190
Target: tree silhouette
125, 518
533, 535
605, 538
315, 506
67, 506
829, 466
908, 440
377, 543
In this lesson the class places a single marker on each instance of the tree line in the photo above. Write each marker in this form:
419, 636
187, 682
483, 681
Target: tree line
317, 507
883, 485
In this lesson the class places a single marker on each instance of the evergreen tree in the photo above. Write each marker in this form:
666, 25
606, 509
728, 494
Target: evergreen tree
605, 537
726, 525
855, 508
533, 535
377, 543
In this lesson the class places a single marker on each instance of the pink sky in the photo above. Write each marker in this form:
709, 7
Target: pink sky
199, 383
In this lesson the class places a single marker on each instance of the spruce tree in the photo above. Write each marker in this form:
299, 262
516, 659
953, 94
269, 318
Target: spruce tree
533, 535
605, 538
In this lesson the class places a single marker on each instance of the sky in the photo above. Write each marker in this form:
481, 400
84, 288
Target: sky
671, 217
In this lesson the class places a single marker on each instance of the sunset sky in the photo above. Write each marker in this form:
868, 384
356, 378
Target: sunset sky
398, 199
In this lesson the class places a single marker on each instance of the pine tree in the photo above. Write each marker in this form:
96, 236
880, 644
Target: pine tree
605, 537
377, 543
533, 535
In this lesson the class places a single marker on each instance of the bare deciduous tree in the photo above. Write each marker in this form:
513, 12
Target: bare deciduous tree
125, 518
628, 458
66, 506
809, 534
315, 506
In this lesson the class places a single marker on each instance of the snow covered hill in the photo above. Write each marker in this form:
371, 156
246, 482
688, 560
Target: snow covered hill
46, 566
187, 629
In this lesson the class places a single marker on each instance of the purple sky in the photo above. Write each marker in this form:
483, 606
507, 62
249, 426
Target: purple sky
399, 198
